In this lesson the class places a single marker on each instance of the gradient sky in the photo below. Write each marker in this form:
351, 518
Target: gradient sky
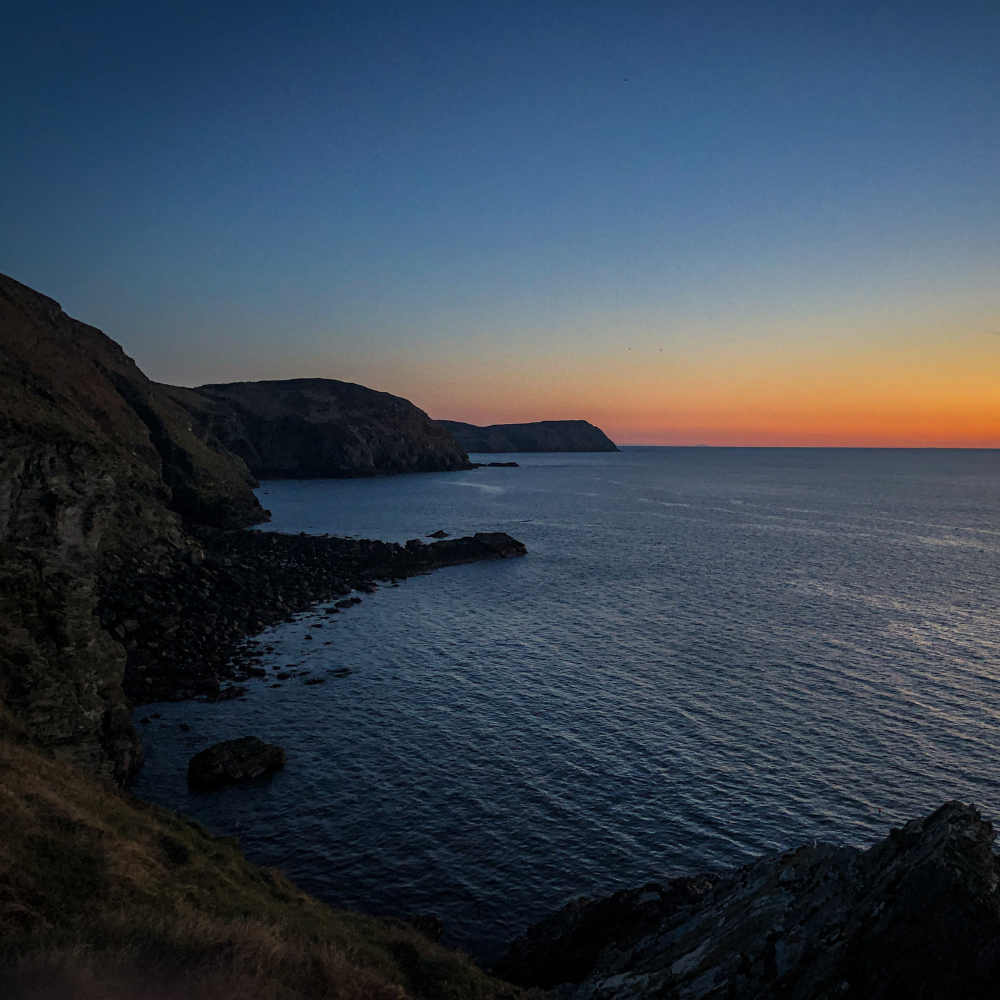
689, 222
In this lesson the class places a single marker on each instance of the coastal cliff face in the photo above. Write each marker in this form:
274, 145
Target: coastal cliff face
98, 470
543, 435
916, 916
315, 428
117, 496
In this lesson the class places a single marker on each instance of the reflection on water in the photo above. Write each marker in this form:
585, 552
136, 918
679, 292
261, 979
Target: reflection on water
707, 654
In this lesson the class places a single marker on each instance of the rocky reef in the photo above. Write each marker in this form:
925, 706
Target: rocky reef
543, 435
187, 628
318, 428
233, 761
915, 916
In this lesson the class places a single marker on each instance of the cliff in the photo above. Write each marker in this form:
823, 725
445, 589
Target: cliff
316, 428
915, 916
98, 470
544, 435
114, 488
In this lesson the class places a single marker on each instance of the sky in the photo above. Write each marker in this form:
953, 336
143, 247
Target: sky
756, 223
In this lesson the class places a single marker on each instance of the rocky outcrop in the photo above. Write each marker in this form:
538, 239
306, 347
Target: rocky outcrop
233, 761
544, 435
98, 470
184, 629
317, 428
915, 916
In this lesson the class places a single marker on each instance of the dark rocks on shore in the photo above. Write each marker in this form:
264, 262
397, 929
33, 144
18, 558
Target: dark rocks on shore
245, 582
915, 916
440, 533
233, 761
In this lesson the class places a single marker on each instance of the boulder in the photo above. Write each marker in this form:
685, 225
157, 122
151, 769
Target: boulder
915, 916
232, 761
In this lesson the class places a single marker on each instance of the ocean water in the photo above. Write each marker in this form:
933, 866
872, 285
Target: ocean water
707, 654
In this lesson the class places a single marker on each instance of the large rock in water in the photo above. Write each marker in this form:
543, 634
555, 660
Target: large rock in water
232, 761
543, 435
318, 428
917, 916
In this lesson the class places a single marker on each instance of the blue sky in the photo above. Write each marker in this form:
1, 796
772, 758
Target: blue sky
631, 212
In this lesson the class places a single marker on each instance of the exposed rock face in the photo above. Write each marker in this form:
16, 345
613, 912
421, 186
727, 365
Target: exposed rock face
544, 435
233, 761
316, 428
97, 469
916, 916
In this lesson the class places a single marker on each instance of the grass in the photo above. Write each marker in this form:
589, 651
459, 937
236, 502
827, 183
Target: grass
102, 895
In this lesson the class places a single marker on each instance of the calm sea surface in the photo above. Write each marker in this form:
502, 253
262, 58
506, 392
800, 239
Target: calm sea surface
707, 654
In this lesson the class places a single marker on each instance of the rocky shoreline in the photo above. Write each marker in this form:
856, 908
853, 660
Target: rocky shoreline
915, 916
188, 629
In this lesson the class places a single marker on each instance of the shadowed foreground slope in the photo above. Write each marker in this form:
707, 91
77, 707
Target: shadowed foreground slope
98, 888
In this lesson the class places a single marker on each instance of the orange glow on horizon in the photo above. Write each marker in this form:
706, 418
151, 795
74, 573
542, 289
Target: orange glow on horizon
864, 384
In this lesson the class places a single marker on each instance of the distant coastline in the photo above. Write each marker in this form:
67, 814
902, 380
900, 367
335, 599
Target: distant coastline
541, 435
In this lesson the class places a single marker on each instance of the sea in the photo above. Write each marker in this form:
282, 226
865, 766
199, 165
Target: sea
708, 654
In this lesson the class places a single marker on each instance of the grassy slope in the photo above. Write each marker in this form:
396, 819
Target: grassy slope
94, 883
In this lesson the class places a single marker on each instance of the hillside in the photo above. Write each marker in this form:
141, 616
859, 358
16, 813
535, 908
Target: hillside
99, 472
543, 435
105, 896
315, 428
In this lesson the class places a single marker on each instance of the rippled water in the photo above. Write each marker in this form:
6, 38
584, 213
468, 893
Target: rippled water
707, 654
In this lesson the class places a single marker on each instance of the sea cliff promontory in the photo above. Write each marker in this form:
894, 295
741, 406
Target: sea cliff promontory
122, 509
318, 428
542, 435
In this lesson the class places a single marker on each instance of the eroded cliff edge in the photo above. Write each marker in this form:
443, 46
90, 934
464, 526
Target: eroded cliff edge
99, 470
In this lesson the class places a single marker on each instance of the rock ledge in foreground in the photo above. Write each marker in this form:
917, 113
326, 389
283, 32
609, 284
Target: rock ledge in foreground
233, 761
917, 916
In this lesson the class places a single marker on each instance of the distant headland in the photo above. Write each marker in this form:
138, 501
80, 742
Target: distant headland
542, 435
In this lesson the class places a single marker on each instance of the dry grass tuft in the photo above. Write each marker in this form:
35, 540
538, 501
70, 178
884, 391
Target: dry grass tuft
102, 896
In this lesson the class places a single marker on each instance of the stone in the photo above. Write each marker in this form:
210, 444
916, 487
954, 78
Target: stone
916, 915
234, 761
